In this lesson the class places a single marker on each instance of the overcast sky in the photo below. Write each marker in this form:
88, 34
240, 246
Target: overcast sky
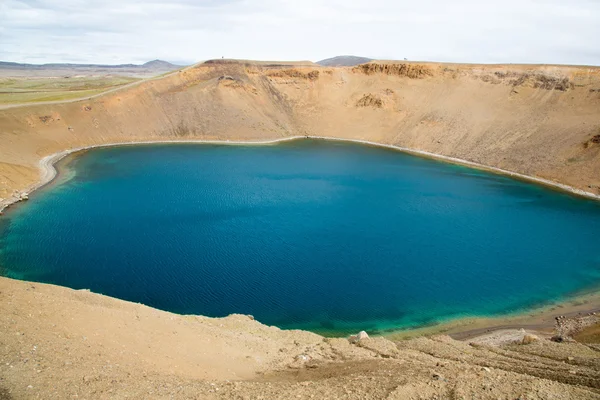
185, 31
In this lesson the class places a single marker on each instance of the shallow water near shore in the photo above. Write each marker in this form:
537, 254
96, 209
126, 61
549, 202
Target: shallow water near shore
331, 237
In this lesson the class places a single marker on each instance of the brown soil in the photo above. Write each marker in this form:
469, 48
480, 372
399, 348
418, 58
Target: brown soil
589, 335
58, 343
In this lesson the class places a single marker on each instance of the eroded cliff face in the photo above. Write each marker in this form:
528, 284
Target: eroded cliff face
541, 121
413, 71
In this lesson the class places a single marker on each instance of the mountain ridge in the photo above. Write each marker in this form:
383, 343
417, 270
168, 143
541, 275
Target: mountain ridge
344, 61
150, 64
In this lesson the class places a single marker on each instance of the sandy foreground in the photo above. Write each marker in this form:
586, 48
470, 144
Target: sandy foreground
538, 123
61, 343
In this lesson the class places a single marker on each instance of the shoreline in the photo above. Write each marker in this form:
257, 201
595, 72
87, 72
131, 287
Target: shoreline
48, 172
461, 328
541, 319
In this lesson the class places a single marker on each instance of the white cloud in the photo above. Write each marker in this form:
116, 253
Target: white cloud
121, 31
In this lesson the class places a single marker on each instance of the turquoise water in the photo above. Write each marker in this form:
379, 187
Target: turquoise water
328, 236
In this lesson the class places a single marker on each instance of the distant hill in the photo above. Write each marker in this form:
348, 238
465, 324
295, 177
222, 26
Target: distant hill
154, 64
343, 61
160, 64
153, 67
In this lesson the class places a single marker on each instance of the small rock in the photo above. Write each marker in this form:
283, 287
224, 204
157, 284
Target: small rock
486, 369
570, 358
312, 364
529, 338
362, 335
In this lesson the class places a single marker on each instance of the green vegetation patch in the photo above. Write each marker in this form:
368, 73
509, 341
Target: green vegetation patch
29, 90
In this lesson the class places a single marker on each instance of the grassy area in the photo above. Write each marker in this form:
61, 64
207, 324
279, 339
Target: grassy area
30, 90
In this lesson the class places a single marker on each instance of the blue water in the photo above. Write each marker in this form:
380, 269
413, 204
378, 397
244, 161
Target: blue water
327, 236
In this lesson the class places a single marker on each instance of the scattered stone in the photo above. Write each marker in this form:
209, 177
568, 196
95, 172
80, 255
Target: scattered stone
362, 335
251, 317
370, 100
529, 338
486, 369
565, 328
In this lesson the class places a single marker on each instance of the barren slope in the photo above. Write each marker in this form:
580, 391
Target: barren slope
59, 343
537, 120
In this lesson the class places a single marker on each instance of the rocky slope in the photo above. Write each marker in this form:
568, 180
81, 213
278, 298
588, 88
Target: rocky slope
536, 120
